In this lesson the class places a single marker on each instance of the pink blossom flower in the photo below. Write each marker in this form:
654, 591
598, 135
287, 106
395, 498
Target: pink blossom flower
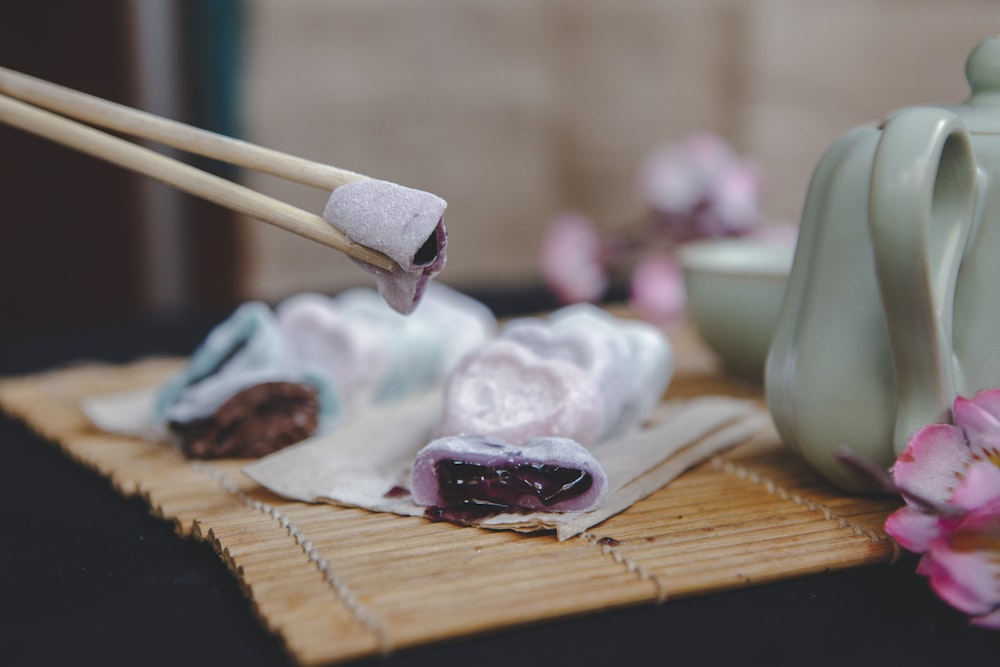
949, 476
572, 259
656, 291
735, 197
698, 187
674, 177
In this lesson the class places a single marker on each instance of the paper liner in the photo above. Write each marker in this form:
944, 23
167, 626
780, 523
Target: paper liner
366, 461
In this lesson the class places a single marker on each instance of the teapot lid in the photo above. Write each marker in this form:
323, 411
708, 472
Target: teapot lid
981, 111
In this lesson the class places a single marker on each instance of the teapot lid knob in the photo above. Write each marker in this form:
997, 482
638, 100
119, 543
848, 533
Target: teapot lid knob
982, 69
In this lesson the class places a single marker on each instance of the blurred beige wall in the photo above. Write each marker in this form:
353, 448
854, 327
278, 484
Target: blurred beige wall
514, 110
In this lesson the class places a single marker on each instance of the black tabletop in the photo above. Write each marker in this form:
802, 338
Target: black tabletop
87, 576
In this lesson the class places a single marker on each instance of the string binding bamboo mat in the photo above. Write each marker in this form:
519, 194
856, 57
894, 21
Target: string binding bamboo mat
338, 583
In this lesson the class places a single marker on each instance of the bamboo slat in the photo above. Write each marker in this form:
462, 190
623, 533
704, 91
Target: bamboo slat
340, 583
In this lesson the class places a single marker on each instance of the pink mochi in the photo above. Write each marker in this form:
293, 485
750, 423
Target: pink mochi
505, 390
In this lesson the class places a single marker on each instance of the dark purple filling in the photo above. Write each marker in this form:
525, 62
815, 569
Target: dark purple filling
428, 252
495, 489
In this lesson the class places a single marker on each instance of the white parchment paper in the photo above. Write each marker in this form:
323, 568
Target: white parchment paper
361, 464
366, 461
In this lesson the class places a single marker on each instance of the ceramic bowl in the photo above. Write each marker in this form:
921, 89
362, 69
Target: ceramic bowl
734, 289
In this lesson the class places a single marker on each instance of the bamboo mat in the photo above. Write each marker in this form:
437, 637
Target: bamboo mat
337, 583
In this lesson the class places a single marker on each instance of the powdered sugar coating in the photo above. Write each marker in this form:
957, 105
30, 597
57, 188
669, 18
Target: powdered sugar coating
495, 453
588, 338
374, 354
506, 390
652, 364
630, 361
352, 348
348, 352
405, 224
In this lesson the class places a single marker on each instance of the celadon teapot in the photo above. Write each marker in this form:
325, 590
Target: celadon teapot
892, 308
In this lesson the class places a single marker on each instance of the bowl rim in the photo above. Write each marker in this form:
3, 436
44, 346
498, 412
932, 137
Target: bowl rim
737, 257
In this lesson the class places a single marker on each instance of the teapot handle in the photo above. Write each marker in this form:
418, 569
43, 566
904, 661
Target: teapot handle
921, 208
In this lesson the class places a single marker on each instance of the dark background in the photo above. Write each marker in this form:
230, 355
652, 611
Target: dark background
71, 249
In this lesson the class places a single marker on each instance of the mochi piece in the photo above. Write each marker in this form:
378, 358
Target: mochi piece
630, 361
405, 224
350, 352
424, 346
648, 362
463, 323
373, 354
652, 363
589, 338
245, 351
487, 474
504, 389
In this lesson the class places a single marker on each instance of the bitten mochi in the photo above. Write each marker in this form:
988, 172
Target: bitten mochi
405, 224
548, 473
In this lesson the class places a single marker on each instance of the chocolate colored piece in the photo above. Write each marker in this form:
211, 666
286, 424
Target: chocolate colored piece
253, 423
246, 349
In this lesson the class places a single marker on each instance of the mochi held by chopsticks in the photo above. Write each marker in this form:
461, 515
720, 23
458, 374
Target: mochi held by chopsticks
405, 224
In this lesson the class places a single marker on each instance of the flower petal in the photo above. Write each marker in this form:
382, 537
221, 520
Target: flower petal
675, 177
571, 259
980, 487
990, 620
656, 290
667, 183
735, 196
980, 419
912, 529
929, 468
964, 570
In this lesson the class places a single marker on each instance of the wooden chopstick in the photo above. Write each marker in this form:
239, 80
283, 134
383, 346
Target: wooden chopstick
28, 112
103, 113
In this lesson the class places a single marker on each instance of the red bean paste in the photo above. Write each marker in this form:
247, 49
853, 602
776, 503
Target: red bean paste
254, 422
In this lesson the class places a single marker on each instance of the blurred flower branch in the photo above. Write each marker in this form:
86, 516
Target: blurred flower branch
694, 188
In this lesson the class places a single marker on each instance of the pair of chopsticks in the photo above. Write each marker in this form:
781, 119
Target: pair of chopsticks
48, 110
